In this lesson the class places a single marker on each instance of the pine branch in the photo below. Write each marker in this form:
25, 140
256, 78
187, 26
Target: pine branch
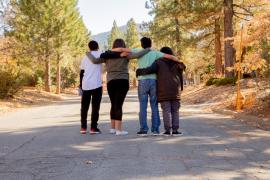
245, 14
243, 8
241, 17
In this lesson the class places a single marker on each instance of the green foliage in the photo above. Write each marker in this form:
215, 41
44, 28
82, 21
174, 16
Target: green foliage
221, 81
132, 35
69, 77
39, 84
46, 33
11, 81
210, 82
115, 33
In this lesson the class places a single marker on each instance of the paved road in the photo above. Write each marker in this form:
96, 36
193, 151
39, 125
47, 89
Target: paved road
44, 143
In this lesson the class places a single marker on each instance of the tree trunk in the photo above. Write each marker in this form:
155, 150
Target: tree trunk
228, 37
47, 75
178, 36
58, 76
177, 32
196, 78
218, 52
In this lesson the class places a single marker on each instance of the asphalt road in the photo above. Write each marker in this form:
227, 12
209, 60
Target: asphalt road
44, 143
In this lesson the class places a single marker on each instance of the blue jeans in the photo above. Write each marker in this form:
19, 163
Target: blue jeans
148, 87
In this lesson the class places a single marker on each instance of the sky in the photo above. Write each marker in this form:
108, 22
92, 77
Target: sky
98, 15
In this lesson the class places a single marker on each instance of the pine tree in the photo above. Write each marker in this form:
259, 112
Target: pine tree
115, 33
132, 35
132, 41
47, 31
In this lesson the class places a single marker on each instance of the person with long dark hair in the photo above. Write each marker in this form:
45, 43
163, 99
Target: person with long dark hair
117, 80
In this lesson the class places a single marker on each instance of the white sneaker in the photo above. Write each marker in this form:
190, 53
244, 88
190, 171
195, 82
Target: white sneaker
121, 133
112, 131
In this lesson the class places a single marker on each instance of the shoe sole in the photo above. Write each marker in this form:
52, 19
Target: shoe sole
177, 135
166, 135
121, 134
95, 133
142, 135
82, 132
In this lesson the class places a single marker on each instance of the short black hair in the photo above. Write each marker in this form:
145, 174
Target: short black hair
167, 50
146, 42
93, 45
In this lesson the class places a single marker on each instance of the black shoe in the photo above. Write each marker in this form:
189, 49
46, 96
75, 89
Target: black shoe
95, 131
167, 133
142, 133
177, 133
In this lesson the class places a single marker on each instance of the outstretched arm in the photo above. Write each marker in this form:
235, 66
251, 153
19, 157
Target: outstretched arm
94, 59
122, 50
149, 70
139, 54
171, 57
110, 55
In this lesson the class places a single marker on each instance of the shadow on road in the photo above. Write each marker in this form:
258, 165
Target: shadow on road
209, 149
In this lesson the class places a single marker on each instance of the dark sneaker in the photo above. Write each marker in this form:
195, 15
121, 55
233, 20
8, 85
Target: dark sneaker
95, 131
142, 133
155, 133
177, 133
83, 130
167, 133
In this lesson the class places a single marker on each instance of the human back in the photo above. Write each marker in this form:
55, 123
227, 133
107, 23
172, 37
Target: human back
148, 59
92, 78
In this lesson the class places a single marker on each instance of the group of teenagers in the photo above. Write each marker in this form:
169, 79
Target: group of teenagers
160, 80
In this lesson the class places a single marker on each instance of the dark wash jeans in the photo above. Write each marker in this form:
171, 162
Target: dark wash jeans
148, 88
170, 111
95, 95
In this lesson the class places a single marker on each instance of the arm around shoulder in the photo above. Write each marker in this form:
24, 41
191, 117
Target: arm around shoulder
139, 54
149, 70
94, 59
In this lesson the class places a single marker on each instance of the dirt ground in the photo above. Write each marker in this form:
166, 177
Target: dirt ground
256, 113
28, 97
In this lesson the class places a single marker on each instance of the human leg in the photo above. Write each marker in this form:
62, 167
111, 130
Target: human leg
96, 99
154, 106
175, 114
166, 112
111, 91
143, 90
85, 102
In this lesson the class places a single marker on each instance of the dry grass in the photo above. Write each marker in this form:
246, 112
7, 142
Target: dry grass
224, 97
28, 97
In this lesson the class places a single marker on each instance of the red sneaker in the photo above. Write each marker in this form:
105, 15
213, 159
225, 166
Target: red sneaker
83, 130
95, 131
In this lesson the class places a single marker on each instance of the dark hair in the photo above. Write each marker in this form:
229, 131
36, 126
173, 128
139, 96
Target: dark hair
93, 45
146, 42
119, 43
167, 50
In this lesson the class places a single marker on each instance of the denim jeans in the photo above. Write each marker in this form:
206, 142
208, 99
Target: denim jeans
148, 88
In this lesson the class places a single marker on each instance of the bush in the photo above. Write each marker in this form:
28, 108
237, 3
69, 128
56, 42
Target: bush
11, 81
69, 77
210, 81
221, 81
39, 84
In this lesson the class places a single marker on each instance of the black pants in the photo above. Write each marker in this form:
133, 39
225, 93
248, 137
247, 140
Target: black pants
95, 95
117, 90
